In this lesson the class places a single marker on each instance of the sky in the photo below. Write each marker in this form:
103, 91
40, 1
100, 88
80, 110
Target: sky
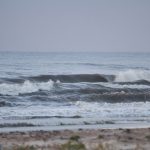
75, 25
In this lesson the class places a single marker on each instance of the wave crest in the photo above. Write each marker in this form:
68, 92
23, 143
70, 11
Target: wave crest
26, 87
132, 75
72, 78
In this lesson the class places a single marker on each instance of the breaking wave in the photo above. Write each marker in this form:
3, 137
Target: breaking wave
73, 78
130, 79
138, 76
26, 87
133, 75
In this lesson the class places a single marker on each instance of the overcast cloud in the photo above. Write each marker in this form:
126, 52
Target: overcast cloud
75, 25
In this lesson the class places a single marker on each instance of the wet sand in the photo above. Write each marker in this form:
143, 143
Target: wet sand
88, 139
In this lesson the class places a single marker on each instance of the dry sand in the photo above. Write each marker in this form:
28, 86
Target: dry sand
93, 139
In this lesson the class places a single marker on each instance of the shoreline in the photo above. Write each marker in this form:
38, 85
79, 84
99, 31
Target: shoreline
92, 139
31, 128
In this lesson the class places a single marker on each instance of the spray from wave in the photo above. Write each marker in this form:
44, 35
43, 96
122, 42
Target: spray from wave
133, 75
26, 87
130, 79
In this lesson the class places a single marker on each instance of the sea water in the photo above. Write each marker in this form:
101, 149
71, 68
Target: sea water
48, 89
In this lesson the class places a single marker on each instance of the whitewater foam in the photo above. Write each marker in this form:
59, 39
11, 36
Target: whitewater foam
127, 110
26, 87
132, 75
83, 109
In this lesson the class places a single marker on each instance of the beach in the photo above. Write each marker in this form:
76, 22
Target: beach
74, 75
85, 101
84, 139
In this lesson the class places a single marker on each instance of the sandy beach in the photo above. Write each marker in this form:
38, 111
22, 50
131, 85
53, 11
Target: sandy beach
77, 139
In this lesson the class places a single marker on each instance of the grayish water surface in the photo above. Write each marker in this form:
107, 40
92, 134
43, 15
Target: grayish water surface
55, 89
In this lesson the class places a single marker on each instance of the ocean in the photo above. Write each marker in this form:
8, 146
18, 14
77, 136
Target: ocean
46, 90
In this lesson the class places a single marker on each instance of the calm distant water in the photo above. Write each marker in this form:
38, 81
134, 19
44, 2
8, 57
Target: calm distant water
49, 89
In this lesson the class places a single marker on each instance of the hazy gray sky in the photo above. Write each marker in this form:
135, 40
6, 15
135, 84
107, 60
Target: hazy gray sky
75, 25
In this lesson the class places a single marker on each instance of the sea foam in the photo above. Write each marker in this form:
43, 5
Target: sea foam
26, 87
132, 75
